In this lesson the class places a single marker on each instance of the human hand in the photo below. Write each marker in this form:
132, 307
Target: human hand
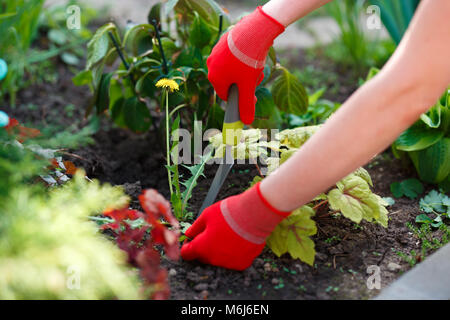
232, 233
239, 58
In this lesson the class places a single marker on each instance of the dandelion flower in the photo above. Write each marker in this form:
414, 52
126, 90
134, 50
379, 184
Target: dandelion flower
169, 84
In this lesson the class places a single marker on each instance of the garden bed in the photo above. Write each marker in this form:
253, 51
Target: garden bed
344, 249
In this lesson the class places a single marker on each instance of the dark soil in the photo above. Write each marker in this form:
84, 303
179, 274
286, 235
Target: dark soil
344, 250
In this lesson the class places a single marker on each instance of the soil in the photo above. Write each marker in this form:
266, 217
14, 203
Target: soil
135, 161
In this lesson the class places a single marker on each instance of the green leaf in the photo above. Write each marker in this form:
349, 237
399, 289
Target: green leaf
99, 45
199, 35
266, 113
389, 201
136, 115
70, 59
208, 10
139, 39
410, 188
102, 99
433, 117
289, 94
145, 86
292, 236
418, 137
423, 218
354, 199
83, 78
169, 47
117, 112
433, 202
155, 13
170, 5
57, 36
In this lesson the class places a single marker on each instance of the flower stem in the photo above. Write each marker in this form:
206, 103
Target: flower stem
168, 142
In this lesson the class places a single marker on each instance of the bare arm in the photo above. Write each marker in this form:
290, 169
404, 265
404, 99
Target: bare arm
375, 115
289, 11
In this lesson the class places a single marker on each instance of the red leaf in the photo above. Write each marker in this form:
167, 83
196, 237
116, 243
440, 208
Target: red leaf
156, 207
70, 167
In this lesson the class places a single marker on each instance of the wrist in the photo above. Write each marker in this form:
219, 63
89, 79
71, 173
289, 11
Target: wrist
251, 216
251, 38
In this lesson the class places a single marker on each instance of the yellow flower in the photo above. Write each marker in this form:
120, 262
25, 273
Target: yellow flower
168, 84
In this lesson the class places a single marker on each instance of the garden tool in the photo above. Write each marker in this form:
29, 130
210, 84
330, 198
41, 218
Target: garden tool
231, 132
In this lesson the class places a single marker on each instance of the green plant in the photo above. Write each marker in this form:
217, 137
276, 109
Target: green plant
434, 203
48, 248
153, 51
178, 198
18, 27
318, 111
429, 242
351, 196
427, 143
53, 24
353, 46
410, 188
396, 15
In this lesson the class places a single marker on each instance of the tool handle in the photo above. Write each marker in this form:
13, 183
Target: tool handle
232, 124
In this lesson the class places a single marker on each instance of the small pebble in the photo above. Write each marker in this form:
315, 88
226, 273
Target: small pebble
201, 287
392, 266
275, 281
267, 267
172, 272
204, 294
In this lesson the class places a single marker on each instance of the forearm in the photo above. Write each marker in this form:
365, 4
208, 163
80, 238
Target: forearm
289, 11
364, 126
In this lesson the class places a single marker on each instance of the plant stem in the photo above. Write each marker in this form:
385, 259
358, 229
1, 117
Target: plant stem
167, 142
177, 108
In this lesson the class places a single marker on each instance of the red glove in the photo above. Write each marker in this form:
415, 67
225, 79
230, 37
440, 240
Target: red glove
239, 57
232, 233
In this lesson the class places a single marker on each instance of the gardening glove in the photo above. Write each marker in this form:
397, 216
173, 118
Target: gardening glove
239, 58
232, 233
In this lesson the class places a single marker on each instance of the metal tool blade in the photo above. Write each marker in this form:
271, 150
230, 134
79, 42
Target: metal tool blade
231, 115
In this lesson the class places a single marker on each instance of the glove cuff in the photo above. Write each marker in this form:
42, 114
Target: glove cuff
251, 38
251, 216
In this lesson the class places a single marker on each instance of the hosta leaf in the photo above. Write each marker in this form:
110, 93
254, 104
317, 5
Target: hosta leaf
292, 236
433, 163
418, 137
433, 117
289, 94
136, 115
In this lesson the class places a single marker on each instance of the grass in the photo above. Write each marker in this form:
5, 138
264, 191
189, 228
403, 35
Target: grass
430, 241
